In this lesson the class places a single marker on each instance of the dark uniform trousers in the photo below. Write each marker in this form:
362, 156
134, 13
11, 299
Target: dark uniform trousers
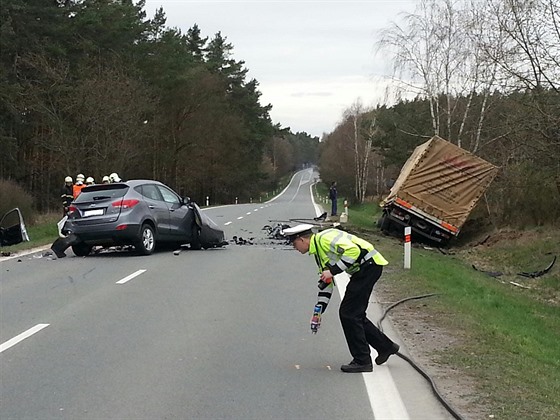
359, 331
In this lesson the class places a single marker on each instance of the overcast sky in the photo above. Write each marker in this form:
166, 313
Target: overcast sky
312, 59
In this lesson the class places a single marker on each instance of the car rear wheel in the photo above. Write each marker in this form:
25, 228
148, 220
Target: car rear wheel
147, 240
81, 249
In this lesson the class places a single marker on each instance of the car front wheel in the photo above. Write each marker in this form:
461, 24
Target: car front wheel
146, 241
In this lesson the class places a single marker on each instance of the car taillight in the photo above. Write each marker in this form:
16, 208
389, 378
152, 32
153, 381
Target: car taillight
125, 204
72, 209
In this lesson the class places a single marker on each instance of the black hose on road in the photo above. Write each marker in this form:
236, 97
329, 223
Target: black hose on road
418, 369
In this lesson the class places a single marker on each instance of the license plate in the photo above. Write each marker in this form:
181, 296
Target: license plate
95, 212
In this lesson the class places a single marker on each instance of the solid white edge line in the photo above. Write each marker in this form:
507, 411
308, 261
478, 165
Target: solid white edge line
22, 336
130, 277
384, 397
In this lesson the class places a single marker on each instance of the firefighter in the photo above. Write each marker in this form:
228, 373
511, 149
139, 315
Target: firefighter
336, 251
105, 179
90, 181
77, 189
114, 177
67, 194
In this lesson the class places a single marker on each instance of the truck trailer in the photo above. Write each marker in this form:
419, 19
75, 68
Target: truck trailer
436, 190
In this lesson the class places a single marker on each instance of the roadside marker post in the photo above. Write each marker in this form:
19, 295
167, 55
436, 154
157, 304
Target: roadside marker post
407, 250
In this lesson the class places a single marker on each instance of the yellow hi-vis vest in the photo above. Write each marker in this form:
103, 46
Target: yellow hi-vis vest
340, 251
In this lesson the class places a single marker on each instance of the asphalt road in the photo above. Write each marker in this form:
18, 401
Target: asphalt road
209, 334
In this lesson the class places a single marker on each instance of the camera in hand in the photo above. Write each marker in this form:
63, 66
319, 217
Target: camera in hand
322, 285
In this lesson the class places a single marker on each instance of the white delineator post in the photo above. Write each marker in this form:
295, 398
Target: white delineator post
407, 233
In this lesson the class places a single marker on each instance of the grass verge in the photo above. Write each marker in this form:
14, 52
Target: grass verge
507, 336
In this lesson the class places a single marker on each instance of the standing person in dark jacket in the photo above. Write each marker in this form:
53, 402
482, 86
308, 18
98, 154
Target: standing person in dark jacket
336, 251
66, 195
333, 196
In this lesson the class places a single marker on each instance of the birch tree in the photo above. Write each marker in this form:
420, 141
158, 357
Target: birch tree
438, 56
363, 133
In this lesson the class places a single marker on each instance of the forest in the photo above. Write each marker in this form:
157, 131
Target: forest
95, 87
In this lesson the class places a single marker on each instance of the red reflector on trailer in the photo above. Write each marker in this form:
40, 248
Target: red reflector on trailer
404, 203
449, 227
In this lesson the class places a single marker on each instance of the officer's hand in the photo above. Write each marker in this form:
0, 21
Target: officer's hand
326, 276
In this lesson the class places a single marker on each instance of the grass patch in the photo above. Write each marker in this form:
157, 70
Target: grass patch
364, 216
510, 340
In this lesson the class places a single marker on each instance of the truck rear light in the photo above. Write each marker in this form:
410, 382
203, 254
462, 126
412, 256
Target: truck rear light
125, 204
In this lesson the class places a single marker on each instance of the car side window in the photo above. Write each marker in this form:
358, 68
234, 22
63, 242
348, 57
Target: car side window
168, 196
151, 192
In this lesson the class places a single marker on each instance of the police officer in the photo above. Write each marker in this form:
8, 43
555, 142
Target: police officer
336, 251
67, 195
333, 196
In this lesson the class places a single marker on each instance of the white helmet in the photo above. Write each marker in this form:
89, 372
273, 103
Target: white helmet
68, 179
89, 180
80, 177
106, 179
114, 177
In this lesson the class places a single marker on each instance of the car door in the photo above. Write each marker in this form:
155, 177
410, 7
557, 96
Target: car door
12, 228
180, 216
158, 208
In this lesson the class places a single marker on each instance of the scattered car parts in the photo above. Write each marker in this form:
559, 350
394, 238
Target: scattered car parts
539, 273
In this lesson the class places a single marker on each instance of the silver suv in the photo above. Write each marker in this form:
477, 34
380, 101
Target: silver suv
140, 213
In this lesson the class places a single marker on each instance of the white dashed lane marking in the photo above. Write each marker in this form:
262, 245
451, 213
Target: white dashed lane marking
128, 278
22, 336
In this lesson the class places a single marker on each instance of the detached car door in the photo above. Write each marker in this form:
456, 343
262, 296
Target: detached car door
12, 228
180, 215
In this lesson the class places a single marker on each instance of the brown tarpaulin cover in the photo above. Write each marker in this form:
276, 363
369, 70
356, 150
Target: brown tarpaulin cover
443, 180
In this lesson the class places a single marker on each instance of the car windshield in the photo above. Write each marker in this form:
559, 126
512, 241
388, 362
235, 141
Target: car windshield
102, 192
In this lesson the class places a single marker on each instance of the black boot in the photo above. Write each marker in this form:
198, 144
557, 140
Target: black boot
382, 356
355, 367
